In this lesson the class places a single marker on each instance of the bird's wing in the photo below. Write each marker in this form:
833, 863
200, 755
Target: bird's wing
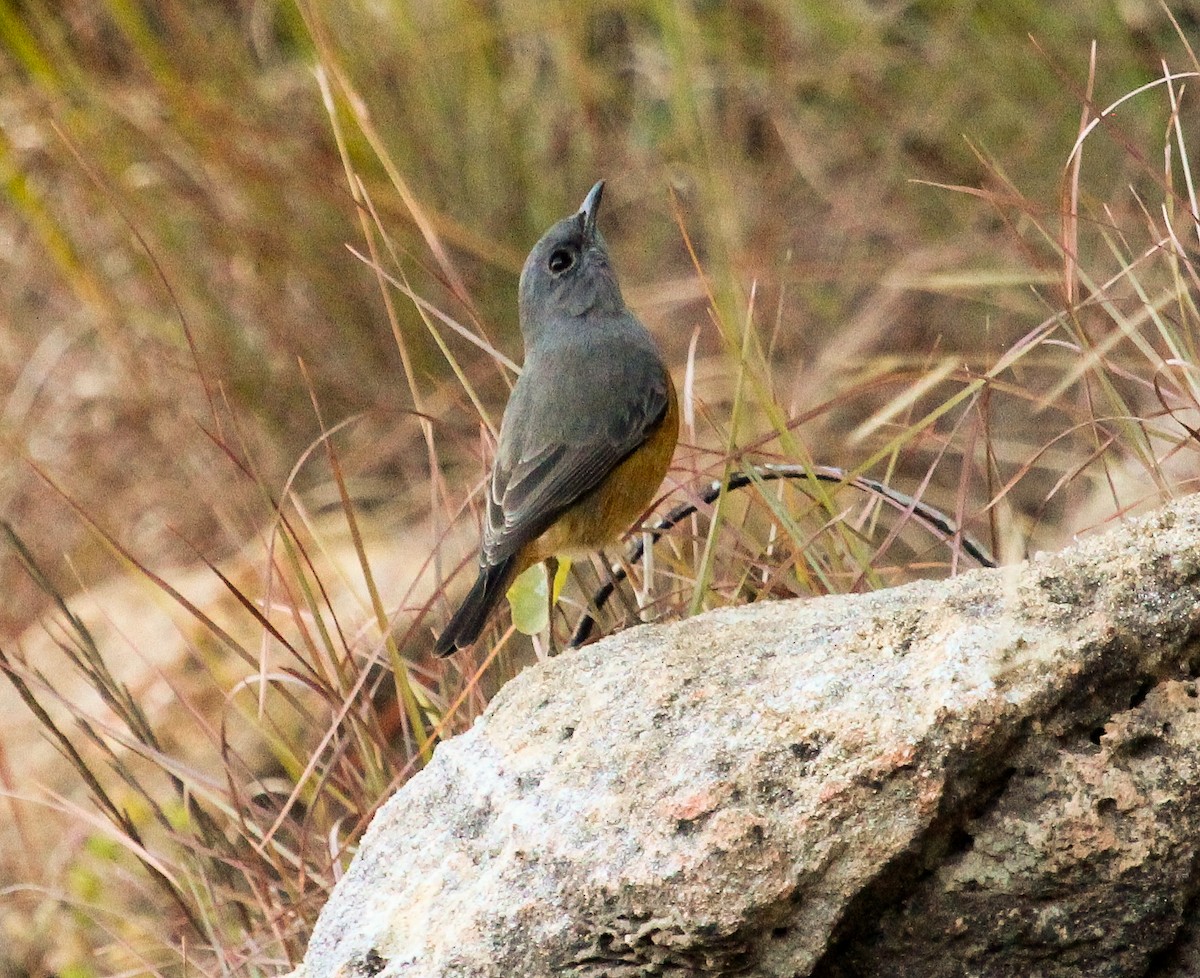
528, 495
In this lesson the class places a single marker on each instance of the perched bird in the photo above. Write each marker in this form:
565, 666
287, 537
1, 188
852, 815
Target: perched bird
590, 427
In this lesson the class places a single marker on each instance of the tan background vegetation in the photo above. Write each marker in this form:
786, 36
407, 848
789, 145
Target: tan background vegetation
179, 286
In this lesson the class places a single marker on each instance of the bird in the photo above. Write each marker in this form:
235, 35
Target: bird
589, 430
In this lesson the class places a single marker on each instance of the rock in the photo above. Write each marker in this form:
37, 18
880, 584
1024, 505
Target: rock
994, 775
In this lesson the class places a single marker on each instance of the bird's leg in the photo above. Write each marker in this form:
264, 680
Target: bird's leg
551, 564
630, 602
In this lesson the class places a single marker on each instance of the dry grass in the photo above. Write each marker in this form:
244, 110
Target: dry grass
257, 331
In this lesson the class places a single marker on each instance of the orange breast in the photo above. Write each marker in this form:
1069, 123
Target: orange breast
604, 514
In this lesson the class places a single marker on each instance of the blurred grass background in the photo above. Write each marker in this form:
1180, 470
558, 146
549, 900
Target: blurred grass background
791, 132
176, 212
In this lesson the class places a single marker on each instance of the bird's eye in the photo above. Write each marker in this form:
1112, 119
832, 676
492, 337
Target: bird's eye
561, 259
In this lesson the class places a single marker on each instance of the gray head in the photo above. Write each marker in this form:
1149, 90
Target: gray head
568, 273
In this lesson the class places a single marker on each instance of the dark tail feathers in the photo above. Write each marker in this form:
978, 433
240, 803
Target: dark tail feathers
466, 623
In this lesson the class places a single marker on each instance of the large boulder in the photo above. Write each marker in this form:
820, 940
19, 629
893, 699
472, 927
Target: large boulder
993, 775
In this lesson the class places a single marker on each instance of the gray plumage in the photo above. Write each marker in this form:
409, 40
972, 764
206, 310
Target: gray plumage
592, 388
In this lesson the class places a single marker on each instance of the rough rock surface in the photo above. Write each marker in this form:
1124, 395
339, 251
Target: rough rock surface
996, 775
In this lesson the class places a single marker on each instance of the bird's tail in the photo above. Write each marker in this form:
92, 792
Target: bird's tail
466, 623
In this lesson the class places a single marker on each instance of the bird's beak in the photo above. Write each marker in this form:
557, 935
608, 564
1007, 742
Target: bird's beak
591, 204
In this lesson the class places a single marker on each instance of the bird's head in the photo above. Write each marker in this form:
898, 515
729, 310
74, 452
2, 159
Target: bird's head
568, 272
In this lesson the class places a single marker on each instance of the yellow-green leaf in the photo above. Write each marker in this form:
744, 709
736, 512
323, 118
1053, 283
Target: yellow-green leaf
527, 598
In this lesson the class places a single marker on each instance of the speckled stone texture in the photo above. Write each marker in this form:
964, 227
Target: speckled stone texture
995, 775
